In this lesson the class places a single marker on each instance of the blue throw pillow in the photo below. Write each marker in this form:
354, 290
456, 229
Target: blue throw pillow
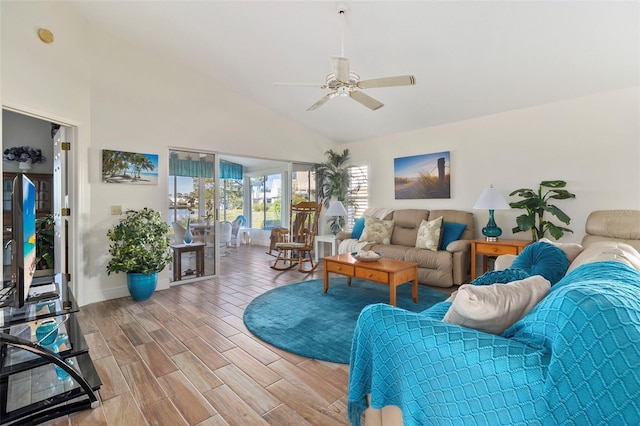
501, 277
358, 227
451, 232
544, 259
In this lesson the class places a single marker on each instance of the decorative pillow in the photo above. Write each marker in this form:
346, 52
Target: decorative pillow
494, 308
572, 250
501, 277
543, 259
358, 227
429, 234
376, 230
451, 232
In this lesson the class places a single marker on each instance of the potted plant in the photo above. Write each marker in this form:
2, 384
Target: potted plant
45, 241
535, 203
139, 246
334, 180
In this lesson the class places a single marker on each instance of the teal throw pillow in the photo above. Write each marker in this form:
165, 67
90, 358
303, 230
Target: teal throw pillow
544, 259
358, 227
501, 277
451, 232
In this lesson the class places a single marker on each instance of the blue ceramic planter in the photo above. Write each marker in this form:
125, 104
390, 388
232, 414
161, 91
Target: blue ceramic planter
141, 286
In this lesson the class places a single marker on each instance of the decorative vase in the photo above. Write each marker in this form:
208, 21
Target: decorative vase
47, 332
141, 286
188, 236
25, 165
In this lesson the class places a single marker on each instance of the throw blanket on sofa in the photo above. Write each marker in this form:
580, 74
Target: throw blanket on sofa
573, 359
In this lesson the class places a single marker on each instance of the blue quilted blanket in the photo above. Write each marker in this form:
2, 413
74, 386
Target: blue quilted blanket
573, 359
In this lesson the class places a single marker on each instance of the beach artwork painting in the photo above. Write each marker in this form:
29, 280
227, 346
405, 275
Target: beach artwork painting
422, 176
129, 167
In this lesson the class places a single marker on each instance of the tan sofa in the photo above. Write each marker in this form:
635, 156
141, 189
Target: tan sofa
442, 268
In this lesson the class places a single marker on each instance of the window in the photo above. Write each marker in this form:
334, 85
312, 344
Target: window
266, 201
359, 193
303, 183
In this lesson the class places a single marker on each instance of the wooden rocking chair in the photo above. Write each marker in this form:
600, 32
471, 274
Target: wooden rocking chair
296, 246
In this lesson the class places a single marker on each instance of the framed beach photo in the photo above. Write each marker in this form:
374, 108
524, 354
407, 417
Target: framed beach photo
422, 176
129, 168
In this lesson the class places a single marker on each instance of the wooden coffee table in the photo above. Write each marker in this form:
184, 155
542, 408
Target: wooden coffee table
385, 271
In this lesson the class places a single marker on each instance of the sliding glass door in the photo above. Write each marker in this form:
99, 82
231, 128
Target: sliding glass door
192, 209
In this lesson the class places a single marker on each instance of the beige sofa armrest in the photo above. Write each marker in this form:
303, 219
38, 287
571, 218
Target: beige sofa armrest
459, 245
461, 254
504, 261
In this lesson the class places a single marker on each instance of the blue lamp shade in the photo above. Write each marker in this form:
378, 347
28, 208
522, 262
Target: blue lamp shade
491, 200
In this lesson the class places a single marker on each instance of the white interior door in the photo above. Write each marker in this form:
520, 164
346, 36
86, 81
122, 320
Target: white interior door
60, 201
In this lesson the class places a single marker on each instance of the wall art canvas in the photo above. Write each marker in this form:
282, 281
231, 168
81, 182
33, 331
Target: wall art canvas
129, 167
422, 176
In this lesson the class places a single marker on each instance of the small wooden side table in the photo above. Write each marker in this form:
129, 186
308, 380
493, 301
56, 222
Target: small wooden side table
488, 249
178, 250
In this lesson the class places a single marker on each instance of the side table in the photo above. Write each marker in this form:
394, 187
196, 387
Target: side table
178, 249
331, 239
488, 249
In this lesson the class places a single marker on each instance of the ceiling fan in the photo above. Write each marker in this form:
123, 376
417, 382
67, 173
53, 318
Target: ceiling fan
344, 82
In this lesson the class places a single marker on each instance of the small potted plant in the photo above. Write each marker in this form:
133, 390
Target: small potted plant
139, 246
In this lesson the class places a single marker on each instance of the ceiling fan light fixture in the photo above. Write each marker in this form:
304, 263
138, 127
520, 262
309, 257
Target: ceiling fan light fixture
343, 91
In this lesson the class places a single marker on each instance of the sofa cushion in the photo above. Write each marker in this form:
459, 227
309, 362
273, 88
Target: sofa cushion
501, 277
376, 230
543, 259
494, 308
429, 234
405, 226
451, 232
608, 250
358, 227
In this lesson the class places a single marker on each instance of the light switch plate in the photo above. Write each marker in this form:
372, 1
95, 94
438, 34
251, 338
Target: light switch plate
116, 210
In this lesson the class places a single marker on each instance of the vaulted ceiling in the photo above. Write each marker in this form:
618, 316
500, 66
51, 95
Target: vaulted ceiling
469, 58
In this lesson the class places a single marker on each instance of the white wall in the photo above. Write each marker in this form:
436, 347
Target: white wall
122, 97
593, 143
22, 130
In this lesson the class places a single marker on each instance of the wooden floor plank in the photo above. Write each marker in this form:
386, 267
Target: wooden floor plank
187, 399
232, 408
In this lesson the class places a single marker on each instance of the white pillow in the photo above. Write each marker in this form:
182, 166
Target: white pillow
494, 308
571, 250
607, 250
376, 230
429, 234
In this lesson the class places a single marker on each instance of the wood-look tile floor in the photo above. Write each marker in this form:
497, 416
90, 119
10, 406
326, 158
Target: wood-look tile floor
185, 357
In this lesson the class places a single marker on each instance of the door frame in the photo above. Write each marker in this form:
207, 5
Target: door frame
75, 175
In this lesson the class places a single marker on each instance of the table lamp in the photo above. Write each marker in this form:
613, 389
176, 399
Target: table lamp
336, 210
491, 200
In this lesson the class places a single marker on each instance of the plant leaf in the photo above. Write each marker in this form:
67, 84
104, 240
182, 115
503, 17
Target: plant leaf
553, 183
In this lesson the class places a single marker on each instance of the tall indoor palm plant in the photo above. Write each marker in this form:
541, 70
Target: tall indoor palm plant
333, 183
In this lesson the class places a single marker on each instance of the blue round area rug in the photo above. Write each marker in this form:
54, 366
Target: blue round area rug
301, 319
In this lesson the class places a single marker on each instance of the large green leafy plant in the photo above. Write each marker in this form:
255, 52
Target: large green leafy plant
334, 180
536, 204
139, 243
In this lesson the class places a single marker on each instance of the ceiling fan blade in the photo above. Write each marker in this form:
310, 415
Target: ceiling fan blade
366, 100
321, 86
340, 66
322, 101
398, 80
